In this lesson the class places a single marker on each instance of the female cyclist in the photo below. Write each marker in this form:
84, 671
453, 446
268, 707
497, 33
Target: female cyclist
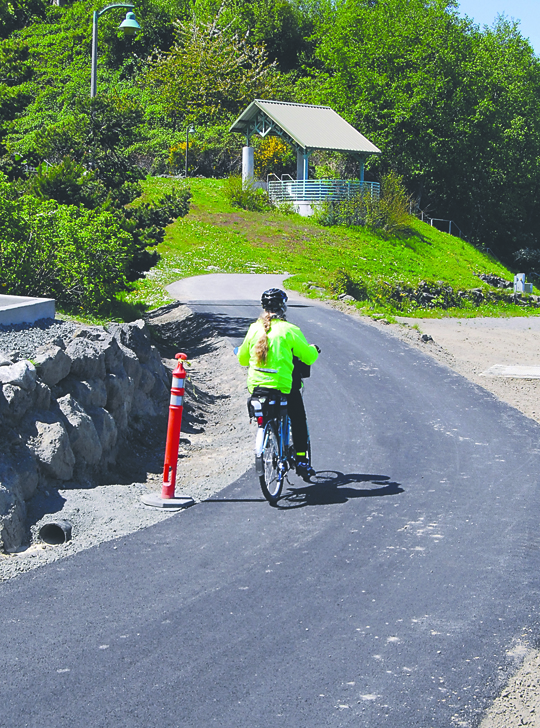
268, 349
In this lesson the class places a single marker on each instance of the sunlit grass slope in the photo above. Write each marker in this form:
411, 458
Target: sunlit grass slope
216, 237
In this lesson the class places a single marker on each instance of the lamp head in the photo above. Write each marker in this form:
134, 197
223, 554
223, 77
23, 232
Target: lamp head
129, 25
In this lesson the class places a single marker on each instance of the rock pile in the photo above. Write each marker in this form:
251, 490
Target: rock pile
65, 413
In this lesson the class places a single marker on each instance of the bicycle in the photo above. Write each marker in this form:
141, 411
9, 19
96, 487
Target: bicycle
274, 449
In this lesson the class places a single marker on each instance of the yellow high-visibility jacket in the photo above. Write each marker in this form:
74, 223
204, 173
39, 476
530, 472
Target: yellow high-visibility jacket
285, 340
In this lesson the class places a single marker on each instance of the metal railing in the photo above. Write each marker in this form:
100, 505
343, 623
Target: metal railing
318, 190
427, 218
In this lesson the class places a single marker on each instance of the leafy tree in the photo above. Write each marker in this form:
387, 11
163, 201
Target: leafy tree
209, 74
454, 109
281, 26
15, 14
528, 259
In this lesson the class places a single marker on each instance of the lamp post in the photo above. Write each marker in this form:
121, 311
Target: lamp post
189, 130
129, 26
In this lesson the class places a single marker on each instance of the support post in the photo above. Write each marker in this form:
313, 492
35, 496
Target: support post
248, 165
93, 81
302, 164
299, 165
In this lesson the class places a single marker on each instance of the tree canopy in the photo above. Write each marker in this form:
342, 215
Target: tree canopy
453, 107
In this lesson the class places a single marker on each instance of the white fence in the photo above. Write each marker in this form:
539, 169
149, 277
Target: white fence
317, 190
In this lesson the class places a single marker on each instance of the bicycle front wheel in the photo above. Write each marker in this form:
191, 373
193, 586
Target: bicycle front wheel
272, 476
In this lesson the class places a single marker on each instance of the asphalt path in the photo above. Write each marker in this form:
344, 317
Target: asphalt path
400, 589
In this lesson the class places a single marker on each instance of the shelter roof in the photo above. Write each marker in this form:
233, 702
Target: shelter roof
306, 126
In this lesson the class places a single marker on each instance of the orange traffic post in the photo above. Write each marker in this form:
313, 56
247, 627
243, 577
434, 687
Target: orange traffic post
168, 497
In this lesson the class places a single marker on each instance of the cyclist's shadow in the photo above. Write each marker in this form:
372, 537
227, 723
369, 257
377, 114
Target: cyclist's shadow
328, 487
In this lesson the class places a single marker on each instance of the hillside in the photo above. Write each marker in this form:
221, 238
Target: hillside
422, 273
453, 107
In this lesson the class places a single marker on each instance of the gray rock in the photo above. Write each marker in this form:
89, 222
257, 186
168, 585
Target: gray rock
42, 396
83, 436
25, 467
131, 364
52, 364
147, 380
92, 333
92, 393
12, 509
135, 336
4, 407
74, 411
114, 356
21, 374
154, 362
87, 361
19, 400
51, 448
119, 398
106, 430
142, 408
161, 393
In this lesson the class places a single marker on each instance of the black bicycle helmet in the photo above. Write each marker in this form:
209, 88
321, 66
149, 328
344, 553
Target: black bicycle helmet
274, 300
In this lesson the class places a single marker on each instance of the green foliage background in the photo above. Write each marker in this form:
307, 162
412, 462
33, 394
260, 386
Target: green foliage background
454, 108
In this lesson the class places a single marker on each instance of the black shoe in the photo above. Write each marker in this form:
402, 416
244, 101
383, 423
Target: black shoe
304, 470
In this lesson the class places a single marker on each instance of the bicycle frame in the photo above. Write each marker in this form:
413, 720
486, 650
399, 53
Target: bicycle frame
274, 448
273, 444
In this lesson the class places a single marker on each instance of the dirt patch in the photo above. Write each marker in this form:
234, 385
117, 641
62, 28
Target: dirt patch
262, 229
472, 346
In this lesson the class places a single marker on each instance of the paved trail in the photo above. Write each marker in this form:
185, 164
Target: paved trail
399, 590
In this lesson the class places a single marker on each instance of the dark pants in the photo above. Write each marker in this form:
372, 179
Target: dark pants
297, 413
295, 410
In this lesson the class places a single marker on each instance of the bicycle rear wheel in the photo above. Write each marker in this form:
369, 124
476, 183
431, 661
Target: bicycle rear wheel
273, 474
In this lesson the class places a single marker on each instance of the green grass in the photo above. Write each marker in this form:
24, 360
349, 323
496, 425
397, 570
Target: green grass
218, 238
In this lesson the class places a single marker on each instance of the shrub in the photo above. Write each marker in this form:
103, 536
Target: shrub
272, 155
388, 211
147, 223
245, 194
79, 257
286, 207
69, 183
394, 204
344, 283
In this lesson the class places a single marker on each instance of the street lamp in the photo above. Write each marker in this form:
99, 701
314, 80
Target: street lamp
189, 130
129, 26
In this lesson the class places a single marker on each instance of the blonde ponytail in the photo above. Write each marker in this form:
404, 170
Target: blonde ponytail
261, 348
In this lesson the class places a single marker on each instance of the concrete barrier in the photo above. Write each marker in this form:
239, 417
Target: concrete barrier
25, 310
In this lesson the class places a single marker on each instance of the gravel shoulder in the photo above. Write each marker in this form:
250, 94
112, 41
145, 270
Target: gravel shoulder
216, 447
